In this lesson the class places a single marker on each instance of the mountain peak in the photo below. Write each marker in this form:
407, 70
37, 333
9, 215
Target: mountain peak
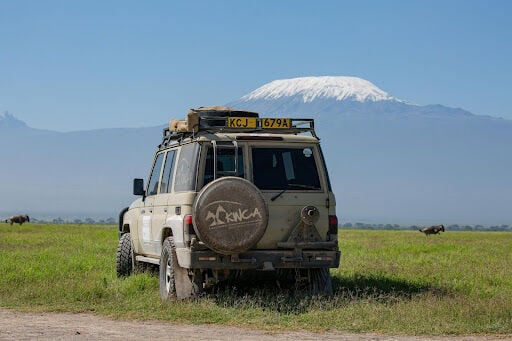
339, 88
8, 121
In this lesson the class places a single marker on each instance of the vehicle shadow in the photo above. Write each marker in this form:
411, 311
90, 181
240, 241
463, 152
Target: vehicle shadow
270, 295
381, 288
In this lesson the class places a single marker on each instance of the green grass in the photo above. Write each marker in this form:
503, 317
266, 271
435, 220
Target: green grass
392, 282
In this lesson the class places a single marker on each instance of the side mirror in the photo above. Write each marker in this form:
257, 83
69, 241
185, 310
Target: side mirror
138, 187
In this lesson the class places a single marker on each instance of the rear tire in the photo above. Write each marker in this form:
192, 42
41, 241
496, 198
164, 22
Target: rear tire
124, 258
175, 281
321, 282
306, 281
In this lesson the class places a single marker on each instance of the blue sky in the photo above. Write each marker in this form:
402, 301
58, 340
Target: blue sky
73, 65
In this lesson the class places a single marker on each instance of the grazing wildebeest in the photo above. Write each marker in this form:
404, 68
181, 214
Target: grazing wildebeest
20, 219
432, 229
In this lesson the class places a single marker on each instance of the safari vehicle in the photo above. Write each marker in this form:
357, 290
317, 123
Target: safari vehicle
231, 193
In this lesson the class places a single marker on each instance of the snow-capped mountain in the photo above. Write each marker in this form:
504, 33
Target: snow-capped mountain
333, 95
389, 161
393, 160
339, 88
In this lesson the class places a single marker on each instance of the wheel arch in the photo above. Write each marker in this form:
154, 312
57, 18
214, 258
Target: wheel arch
123, 227
166, 232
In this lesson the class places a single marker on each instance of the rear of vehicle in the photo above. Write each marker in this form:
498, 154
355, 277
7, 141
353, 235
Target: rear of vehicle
289, 172
243, 194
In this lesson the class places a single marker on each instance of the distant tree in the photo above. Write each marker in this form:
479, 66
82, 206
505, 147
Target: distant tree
111, 221
77, 221
347, 225
89, 221
360, 225
453, 227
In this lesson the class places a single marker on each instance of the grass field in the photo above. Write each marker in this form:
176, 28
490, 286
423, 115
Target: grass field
392, 282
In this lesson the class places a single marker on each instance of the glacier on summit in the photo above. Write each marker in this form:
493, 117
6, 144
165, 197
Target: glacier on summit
339, 88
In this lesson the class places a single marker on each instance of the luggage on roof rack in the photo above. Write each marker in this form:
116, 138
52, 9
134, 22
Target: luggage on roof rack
207, 117
220, 111
228, 120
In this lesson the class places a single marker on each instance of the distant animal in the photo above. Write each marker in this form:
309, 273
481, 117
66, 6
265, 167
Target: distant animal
432, 229
20, 219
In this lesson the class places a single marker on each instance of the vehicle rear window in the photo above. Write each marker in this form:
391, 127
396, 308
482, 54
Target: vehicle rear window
226, 165
285, 168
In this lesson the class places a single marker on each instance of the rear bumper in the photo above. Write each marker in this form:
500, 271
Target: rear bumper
259, 259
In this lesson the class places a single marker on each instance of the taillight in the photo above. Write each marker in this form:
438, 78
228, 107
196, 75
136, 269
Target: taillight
188, 224
333, 224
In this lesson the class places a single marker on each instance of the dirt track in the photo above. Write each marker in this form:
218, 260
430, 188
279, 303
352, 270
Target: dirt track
66, 326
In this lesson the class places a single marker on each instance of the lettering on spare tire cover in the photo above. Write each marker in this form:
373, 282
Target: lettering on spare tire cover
231, 214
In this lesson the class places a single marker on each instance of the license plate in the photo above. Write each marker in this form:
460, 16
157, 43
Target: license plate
276, 123
241, 122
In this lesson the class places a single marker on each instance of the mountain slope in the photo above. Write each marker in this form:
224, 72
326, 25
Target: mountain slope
83, 173
9, 122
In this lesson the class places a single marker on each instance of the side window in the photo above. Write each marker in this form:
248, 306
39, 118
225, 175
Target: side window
225, 163
155, 175
166, 186
187, 168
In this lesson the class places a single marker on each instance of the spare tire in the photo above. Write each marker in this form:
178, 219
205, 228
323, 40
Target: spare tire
230, 215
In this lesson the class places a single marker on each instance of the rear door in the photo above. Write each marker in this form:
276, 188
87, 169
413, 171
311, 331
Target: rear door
290, 177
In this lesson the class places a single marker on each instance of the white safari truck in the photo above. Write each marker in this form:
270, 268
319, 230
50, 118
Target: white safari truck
230, 193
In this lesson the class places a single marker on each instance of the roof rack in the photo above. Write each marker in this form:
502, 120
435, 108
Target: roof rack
266, 125
195, 125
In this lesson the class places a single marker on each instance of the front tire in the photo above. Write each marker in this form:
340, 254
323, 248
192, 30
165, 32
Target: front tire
124, 258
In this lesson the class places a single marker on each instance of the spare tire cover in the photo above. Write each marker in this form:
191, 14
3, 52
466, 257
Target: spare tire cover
230, 215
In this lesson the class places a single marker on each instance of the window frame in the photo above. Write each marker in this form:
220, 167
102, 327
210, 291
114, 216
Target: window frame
170, 177
152, 173
194, 165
